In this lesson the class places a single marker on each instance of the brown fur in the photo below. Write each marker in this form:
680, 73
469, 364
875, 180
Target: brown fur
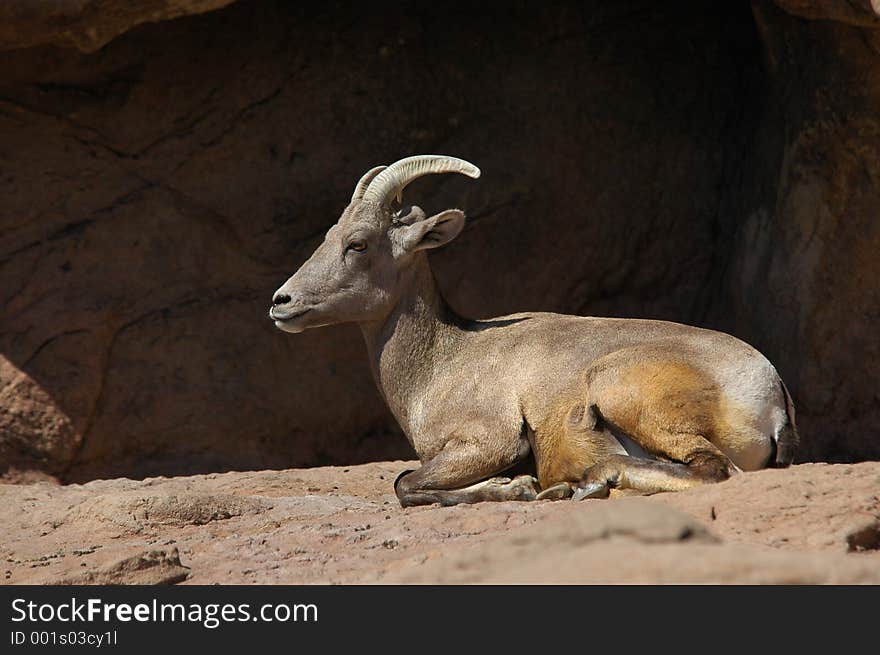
674, 411
566, 445
662, 402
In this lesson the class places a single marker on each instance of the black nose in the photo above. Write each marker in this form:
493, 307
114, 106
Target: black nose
280, 299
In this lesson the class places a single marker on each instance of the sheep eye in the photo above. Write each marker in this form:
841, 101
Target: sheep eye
357, 246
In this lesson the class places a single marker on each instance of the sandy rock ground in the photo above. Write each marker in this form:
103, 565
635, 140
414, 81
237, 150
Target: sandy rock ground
812, 523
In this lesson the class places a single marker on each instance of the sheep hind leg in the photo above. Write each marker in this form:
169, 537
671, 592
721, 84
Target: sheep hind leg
649, 476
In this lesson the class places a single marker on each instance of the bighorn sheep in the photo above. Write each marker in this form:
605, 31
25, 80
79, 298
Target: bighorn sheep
600, 402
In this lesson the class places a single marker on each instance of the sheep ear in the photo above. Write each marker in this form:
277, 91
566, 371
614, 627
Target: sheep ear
433, 232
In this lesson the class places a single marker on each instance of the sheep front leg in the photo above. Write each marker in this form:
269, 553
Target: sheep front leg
463, 473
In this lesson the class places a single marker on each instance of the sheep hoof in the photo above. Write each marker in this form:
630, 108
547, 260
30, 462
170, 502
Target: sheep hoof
522, 487
556, 492
590, 490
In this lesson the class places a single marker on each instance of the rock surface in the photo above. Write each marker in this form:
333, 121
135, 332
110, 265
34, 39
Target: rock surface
810, 524
853, 12
86, 25
701, 162
806, 245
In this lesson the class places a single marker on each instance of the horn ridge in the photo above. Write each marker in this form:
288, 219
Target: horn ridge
391, 182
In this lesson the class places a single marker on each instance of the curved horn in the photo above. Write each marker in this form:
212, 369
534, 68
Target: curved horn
392, 181
364, 182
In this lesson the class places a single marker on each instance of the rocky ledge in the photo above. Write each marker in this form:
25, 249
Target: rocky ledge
812, 524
